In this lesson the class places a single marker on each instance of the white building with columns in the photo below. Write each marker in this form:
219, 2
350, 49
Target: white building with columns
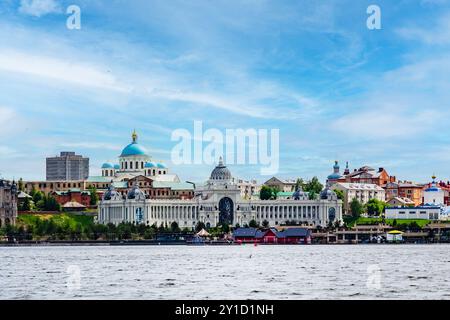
218, 202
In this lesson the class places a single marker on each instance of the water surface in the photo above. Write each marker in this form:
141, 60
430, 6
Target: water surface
226, 272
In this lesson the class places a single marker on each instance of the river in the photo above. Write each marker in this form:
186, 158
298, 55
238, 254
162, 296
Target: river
226, 272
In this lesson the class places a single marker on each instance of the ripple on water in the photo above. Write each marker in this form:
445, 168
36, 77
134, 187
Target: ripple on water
291, 272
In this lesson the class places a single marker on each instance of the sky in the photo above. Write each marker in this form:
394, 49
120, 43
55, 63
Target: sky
312, 69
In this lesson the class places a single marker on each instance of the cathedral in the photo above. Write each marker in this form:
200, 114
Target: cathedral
217, 202
133, 161
135, 168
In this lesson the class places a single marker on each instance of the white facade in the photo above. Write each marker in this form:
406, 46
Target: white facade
406, 213
133, 161
363, 192
434, 195
218, 202
247, 187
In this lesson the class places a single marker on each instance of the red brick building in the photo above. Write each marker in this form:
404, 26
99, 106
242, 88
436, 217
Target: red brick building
72, 195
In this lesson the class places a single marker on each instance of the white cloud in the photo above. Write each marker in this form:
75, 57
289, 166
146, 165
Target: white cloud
39, 8
59, 70
6, 116
384, 123
91, 145
438, 34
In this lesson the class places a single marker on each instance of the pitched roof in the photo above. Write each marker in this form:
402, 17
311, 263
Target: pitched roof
245, 232
73, 204
255, 233
294, 232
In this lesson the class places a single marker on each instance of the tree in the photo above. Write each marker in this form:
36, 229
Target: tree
339, 193
312, 195
299, 184
149, 233
174, 227
356, 208
20, 186
199, 226
94, 196
265, 224
225, 228
253, 224
26, 205
37, 196
313, 186
375, 207
268, 193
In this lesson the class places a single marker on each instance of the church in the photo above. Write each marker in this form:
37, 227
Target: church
217, 202
136, 168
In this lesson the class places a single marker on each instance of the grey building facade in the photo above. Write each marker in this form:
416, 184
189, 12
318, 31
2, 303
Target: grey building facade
8, 202
67, 167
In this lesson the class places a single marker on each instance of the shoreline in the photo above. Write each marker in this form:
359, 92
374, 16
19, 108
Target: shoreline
220, 244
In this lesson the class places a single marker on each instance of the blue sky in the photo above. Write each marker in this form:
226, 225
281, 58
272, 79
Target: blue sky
336, 90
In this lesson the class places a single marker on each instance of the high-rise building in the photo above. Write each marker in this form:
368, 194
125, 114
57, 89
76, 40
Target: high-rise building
67, 167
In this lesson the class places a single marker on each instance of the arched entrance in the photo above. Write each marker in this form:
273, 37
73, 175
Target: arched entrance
331, 214
226, 211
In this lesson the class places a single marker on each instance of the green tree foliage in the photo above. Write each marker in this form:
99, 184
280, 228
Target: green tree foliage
45, 202
265, 224
94, 196
37, 196
223, 228
174, 227
26, 205
356, 208
268, 193
339, 194
313, 185
375, 207
312, 195
253, 224
299, 184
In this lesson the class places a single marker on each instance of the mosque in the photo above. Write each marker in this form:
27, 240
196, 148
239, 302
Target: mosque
215, 203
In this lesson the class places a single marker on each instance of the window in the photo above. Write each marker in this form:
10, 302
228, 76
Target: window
401, 212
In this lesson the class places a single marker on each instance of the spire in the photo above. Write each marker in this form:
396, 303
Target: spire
221, 161
347, 170
134, 136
